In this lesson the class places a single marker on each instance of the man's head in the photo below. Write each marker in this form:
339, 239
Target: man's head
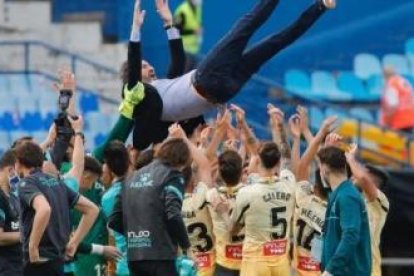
147, 72
144, 158
29, 156
7, 162
230, 167
332, 164
116, 162
21, 140
175, 153
269, 155
92, 172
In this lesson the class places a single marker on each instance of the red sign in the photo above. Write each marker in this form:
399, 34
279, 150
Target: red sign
275, 248
203, 260
234, 252
308, 264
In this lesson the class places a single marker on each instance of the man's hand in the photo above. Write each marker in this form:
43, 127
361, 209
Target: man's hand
333, 139
139, 16
164, 11
66, 81
176, 131
327, 125
77, 125
112, 253
71, 249
295, 126
34, 254
351, 153
277, 116
240, 114
304, 119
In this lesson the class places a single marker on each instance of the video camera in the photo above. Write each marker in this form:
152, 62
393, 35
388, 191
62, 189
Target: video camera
63, 127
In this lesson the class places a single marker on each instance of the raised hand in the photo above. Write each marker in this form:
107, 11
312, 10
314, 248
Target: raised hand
327, 125
176, 131
66, 80
277, 116
304, 119
164, 12
295, 126
352, 151
333, 139
240, 114
139, 15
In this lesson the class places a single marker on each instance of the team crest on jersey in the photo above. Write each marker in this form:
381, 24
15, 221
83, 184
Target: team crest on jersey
144, 180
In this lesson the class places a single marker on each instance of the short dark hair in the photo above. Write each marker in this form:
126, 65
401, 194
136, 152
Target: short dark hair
334, 158
270, 155
116, 157
8, 159
92, 165
175, 153
187, 174
29, 154
21, 140
230, 167
144, 158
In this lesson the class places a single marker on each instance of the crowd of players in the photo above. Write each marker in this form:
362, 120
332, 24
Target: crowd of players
188, 198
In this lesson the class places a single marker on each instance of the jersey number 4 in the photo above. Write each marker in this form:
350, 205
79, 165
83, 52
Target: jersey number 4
279, 221
202, 235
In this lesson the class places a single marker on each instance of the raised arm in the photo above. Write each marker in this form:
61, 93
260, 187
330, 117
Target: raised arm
280, 135
295, 132
134, 47
251, 141
361, 174
304, 123
78, 157
221, 127
177, 65
312, 150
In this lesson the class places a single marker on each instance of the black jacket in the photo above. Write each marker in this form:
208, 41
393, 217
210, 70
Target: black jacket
149, 128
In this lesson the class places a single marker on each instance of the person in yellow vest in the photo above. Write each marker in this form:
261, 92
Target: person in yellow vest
397, 103
188, 19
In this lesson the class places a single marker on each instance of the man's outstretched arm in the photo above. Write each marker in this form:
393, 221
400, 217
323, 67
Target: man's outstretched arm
177, 65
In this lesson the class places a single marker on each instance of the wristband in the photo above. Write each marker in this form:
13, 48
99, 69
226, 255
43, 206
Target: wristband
173, 33
97, 249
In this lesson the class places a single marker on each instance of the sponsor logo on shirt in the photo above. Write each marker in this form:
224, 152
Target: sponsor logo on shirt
234, 252
203, 260
139, 239
308, 264
144, 180
274, 248
15, 226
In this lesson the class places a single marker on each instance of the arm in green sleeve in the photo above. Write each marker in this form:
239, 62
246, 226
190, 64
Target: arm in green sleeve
350, 223
120, 131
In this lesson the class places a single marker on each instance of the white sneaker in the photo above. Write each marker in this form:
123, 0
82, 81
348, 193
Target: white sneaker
329, 4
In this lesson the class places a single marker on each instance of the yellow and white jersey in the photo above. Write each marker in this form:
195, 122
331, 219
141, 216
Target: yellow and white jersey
265, 208
309, 220
228, 248
377, 215
200, 228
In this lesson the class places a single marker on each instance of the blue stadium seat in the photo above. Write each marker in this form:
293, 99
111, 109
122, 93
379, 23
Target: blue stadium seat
17, 134
297, 80
366, 65
26, 103
31, 121
316, 117
39, 136
99, 139
96, 122
7, 121
88, 102
409, 47
324, 86
375, 85
362, 114
4, 140
340, 114
398, 62
351, 84
8, 103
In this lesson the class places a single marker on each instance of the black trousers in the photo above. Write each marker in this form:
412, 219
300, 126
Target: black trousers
51, 268
222, 271
152, 268
224, 71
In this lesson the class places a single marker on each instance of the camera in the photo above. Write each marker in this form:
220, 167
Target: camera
63, 127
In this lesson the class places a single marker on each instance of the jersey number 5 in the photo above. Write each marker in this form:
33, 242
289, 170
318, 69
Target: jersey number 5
278, 221
203, 235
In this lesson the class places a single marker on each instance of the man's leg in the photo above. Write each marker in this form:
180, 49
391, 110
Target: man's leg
224, 57
254, 58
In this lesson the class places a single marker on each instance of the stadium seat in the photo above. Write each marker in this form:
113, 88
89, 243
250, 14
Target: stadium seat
39, 136
398, 62
31, 121
4, 140
339, 113
8, 103
351, 84
348, 128
375, 85
7, 121
99, 139
366, 65
297, 80
409, 47
316, 117
26, 103
88, 102
324, 85
362, 114
19, 83
96, 122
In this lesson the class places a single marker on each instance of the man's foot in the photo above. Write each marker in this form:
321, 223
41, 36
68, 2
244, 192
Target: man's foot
329, 4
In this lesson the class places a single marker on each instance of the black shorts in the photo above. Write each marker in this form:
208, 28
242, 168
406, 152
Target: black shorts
51, 268
152, 268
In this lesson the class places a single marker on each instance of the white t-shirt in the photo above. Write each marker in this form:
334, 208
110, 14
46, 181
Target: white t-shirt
180, 100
